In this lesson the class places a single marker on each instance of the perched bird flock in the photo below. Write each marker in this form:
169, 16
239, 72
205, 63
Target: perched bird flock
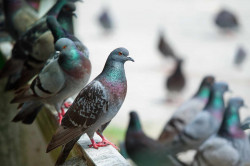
49, 64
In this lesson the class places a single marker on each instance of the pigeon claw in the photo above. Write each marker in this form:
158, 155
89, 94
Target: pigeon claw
105, 142
67, 104
60, 118
94, 145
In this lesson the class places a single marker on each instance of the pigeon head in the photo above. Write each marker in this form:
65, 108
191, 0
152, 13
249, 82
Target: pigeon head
64, 44
68, 8
205, 87
134, 123
120, 55
221, 87
231, 122
236, 102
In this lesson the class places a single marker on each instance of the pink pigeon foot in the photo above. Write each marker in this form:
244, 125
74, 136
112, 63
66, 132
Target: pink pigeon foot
105, 142
67, 104
94, 145
59, 117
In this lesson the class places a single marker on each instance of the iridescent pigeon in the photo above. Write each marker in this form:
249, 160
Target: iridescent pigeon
187, 111
143, 150
62, 77
18, 17
94, 107
231, 146
226, 20
27, 58
205, 124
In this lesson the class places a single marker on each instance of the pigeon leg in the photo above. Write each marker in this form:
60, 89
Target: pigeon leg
59, 117
62, 111
105, 142
94, 145
67, 104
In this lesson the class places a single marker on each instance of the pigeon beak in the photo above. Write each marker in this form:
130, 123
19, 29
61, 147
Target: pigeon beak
73, 14
230, 91
245, 106
130, 59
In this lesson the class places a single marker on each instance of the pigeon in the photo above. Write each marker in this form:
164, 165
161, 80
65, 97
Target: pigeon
187, 111
226, 20
205, 124
143, 150
246, 124
65, 17
62, 77
94, 107
240, 56
105, 20
18, 17
176, 81
164, 47
230, 147
27, 58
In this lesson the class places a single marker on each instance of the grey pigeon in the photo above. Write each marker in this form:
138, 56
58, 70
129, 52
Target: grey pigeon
226, 20
143, 150
62, 77
187, 111
27, 59
18, 17
94, 107
240, 56
105, 20
205, 124
231, 146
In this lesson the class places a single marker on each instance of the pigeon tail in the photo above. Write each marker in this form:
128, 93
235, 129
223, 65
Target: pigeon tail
65, 151
28, 112
63, 136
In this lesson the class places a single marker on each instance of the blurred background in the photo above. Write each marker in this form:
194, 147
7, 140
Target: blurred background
189, 28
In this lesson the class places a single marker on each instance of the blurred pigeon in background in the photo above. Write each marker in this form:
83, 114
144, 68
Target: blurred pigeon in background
246, 124
240, 56
105, 20
94, 107
18, 17
187, 111
143, 150
205, 124
231, 146
164, 47
64, 75
226, 20
176, 81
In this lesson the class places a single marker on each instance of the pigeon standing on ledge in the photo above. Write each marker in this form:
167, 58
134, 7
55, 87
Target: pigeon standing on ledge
143, 150
187, 111
205, 124
231, 146
94, 107
64, 76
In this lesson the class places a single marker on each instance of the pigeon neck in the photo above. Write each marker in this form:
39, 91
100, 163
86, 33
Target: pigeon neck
114, 71
215, 104
231, 123
10, 6
135, 125
55, 10
203, 93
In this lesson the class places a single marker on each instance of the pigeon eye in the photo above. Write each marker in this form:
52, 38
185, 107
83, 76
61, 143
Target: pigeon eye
119, 53
64, 46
